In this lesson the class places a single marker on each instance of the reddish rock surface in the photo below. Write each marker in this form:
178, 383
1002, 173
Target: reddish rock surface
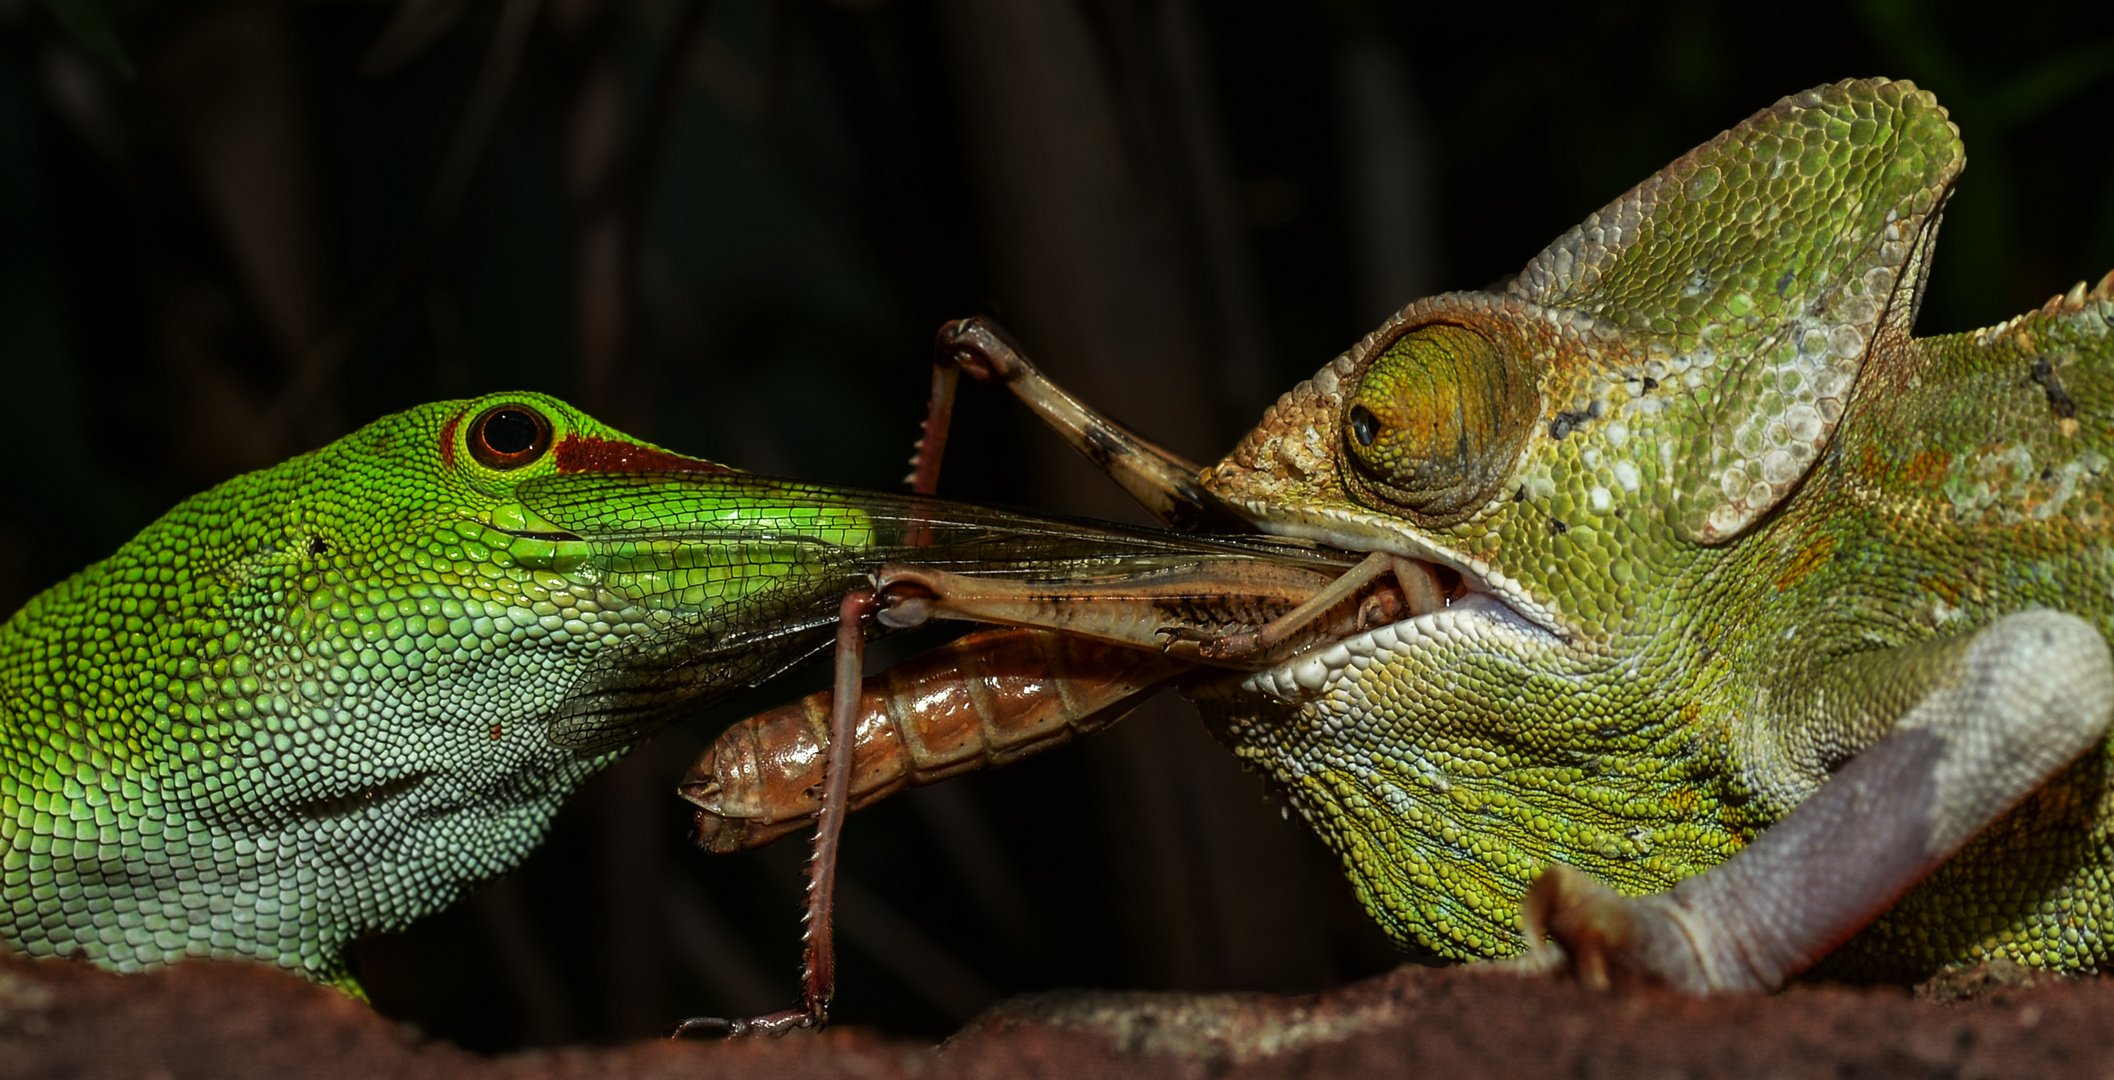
206, 1020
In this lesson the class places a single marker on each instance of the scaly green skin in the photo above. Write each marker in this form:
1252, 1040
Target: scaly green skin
314, 701
1733, 472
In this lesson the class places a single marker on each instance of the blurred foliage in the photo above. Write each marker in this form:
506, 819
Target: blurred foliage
298, 217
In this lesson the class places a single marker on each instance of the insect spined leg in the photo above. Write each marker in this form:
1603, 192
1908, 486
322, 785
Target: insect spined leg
818, 980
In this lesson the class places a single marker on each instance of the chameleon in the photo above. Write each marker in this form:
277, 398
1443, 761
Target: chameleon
1772, 635
328, 697
1785, 630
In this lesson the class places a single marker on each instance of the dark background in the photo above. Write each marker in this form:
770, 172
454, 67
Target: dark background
733, 227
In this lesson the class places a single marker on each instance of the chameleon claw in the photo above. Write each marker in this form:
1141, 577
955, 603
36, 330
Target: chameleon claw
1588, 921
1602, 938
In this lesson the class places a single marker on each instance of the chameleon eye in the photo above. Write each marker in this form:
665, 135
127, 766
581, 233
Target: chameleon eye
508, 436
1365, 427
1436, 422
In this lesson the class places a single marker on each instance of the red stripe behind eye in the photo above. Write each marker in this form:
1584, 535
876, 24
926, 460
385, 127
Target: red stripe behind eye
579, 453
447, 441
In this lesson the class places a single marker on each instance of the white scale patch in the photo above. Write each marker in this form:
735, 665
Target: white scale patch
1334, 670
1789, 408
1792, 411
1627, 477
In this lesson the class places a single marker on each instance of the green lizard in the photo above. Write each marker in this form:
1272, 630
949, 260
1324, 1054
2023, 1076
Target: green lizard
328, 697
1755, 606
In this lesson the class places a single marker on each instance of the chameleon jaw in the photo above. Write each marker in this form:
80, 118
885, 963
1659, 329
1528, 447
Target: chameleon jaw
1352, 530
1484, 602
1474, 615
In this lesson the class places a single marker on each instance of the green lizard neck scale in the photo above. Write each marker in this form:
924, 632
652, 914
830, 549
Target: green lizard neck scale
327, 697
1737, 473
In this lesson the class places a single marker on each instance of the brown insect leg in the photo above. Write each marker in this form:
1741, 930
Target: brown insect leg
1420, 594
924, 478
819, 964
1162, 482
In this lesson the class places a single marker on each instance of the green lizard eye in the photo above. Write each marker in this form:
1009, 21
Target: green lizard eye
1437, 421
509, 436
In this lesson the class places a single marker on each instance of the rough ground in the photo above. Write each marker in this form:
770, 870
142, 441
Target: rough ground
206, 1020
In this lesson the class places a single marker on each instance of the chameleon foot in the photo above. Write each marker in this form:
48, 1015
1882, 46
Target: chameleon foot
1603, 938
1982, 720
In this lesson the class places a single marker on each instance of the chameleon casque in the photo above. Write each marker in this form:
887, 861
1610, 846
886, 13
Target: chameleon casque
1751, 607
328, 697
1750, 570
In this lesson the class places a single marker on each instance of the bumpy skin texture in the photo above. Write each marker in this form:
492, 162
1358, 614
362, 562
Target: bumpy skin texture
1742, 475
315, 700
331, 696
